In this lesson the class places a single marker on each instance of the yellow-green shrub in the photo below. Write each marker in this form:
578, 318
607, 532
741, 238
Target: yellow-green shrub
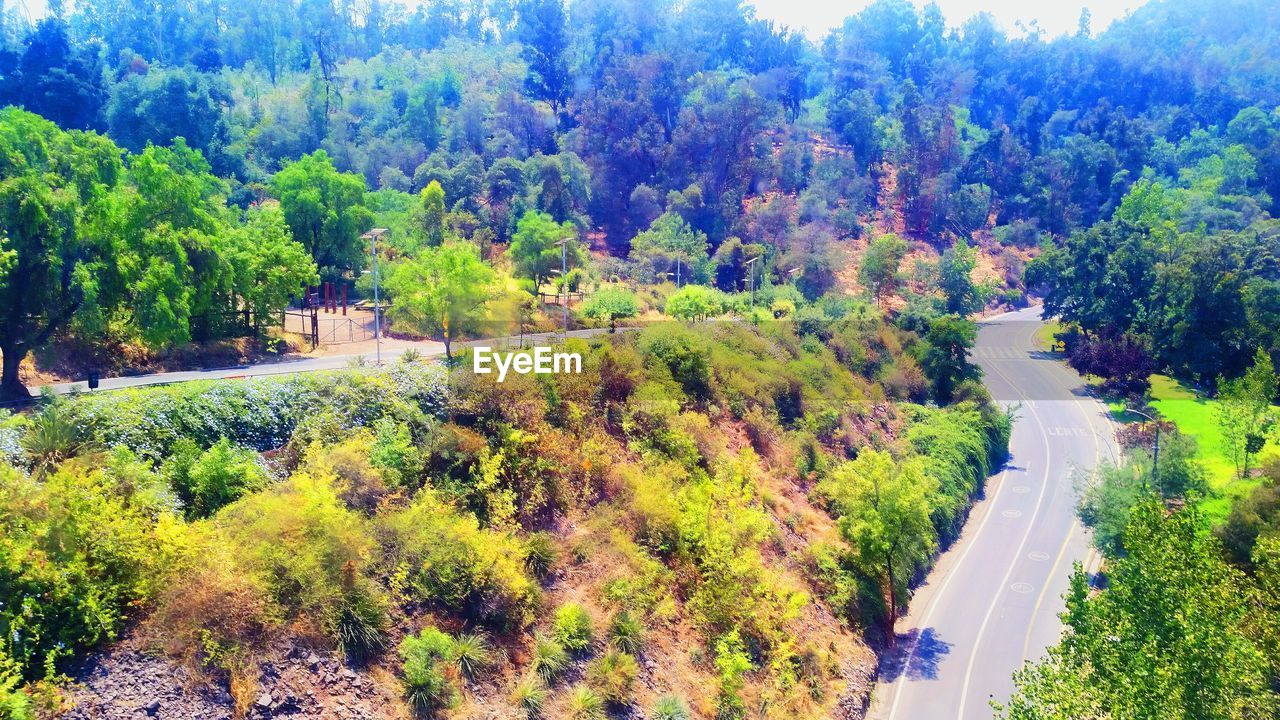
449, 560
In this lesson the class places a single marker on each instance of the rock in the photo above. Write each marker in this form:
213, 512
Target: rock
152, 707
263, 702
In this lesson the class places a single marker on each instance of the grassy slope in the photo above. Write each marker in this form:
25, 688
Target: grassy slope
1196, 416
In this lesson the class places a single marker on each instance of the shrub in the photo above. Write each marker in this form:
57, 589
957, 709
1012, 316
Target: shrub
540, 554
585, 704
530, 696
79, 550
572, 627
549, 659
312, 553
425, 686
208, 480
670, 707
450, 560
472, 653
683, 352
612, 675
626, 633
260, 413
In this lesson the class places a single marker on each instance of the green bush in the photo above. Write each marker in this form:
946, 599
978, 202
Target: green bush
626, 633
426, 687
612, 676
572, 627
550, 659
670, 707
208, 480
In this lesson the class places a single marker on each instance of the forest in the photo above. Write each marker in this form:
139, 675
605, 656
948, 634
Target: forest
725, 513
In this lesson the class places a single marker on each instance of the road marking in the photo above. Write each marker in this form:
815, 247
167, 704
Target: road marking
1020, 489
946, 581
986, 619
1011, 514
1022, 587
1038, 555
1075, 523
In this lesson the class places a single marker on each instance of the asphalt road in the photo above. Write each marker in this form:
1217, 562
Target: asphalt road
392, 350
993, 599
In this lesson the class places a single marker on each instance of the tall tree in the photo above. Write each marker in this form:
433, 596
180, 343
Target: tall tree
1245, 414
325, 211
544, 35
442, 292
884, 509
56, 195
535, 249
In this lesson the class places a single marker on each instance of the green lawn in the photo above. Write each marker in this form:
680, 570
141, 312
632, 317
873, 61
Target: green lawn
1045, 335
1197, 417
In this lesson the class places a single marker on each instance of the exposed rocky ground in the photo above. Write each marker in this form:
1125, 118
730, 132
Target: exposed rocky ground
127, 683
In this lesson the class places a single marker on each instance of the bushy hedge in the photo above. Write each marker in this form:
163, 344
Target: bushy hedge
261, 413
963, 444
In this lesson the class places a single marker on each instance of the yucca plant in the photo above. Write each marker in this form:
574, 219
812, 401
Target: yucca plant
472, 653
531, 696
549, 659
670, 707
626, 633
585, 704
51, 438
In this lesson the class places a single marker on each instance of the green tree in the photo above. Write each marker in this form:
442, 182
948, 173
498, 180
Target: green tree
534, 249
695, 302
670, 239
880, 263
955, 279
544, 36
270, 269
945, 360
1245, 415
325, 211
441, 293
56, 195
1171, 638
432, 213
611, 305
884, 509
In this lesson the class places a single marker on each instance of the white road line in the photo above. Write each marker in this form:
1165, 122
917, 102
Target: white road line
995, 599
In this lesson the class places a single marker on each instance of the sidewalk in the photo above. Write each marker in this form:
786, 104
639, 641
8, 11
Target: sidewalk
391, 350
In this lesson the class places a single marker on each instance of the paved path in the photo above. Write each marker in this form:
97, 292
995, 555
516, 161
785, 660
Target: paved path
390, 351
993, 599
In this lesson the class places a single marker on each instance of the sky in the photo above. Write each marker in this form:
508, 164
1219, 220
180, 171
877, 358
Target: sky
816, 17
1055, 17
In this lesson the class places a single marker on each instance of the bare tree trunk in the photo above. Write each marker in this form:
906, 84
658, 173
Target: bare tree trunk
11, 387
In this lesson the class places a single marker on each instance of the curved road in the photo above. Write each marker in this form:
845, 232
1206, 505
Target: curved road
993, 599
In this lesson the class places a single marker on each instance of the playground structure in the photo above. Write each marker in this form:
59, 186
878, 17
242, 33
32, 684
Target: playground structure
325, 317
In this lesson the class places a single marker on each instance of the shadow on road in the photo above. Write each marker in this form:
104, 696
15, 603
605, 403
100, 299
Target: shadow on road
922, 664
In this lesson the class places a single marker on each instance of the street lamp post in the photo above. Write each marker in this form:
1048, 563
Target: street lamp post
1155, 453
373, 236
564, 279
751, 266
